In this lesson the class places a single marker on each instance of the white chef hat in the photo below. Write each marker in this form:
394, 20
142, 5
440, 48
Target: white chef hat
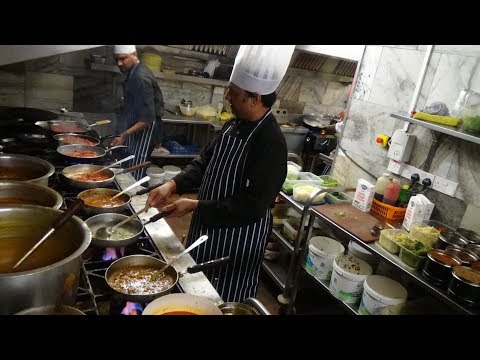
124, 49
260, 68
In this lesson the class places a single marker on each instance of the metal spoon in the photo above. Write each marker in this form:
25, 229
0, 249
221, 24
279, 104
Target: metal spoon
59, 222
199, 241
115, 163
105, 232
141, 181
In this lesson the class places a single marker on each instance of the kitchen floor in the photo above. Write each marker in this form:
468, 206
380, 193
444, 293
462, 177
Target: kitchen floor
311, 299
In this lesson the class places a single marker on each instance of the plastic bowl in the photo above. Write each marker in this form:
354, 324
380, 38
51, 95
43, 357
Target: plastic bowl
188, 111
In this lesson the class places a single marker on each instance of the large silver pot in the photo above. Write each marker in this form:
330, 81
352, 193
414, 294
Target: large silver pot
25, 168
52, 271
18, 193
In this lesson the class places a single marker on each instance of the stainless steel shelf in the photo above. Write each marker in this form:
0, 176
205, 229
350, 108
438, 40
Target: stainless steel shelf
276, 272
193, 121
295, 204
449, 130
283, 241
325, 284
439, 293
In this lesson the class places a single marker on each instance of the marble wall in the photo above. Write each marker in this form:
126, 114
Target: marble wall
386, 83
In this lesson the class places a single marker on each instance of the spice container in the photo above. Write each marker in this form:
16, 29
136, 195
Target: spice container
465, 256
465, 285
438, 266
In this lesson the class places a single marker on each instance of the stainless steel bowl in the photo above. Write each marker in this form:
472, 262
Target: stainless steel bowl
25, 168
235, 308
470, 235
451, 238
51, 310
18, 192
465, 285
466, 256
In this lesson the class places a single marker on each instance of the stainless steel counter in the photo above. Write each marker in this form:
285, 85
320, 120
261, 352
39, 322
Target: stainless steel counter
169, 246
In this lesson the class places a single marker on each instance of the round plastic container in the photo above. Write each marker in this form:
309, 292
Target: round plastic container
157, 175
349, 273
322, 251
380, 291
358, 251
171, 171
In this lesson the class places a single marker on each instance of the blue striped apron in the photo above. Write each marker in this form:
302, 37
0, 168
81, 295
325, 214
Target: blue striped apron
244, 244
139, 142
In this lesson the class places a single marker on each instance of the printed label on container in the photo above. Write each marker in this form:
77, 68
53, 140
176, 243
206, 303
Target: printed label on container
368, 305
345, 289
318, 267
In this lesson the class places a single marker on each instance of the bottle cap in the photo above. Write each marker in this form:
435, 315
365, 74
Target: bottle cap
405, 187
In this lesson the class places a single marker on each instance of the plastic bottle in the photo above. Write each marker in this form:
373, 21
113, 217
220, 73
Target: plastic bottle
404, 197
382, 181
392, 191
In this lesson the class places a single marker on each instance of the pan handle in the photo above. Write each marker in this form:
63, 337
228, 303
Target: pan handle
115, 147
136, 167
212, 263
158, 217
147, 190
101, 138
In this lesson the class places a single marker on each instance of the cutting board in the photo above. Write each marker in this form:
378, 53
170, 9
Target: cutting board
351, 219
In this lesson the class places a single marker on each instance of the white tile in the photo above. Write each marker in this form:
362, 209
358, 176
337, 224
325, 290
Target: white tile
465, 50
312, 91
336, 94
366, 73
470, 218
396, 76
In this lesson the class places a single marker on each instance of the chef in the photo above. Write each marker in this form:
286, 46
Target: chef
239, 173
140, 123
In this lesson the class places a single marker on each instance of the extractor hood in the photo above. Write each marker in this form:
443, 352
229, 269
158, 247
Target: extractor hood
346, 52
10, 54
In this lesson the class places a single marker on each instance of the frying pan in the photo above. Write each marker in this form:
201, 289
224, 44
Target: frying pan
70, 171
72, 126
146, 260
91, 210
64, 151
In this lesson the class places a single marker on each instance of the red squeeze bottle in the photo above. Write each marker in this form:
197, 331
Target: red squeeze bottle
392, 191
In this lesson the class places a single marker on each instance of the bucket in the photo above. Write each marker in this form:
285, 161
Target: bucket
380, 291
349, 273
157, 175
361, 253
322, 251
171, 171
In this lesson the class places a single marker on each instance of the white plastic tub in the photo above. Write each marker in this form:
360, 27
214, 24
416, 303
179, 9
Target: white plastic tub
380, 291
362, 253
157, 175
171, 171
349, 273
322, 251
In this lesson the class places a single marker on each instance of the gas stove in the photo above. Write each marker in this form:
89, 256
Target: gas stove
94, 296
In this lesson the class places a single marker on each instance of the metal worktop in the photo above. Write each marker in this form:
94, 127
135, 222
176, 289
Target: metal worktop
168, 245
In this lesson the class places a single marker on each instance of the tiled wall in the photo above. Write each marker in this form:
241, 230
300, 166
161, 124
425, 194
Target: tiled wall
386, 82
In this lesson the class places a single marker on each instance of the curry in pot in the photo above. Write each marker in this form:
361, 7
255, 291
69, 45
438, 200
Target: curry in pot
19, 174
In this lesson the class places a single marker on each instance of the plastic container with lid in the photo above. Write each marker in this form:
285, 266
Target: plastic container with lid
157, 175
380, 185
171, 171
380, 291
389, 237
349, 273
322, 251
362, 253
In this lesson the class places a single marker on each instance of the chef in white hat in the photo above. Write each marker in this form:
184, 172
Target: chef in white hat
239, 173
140, 123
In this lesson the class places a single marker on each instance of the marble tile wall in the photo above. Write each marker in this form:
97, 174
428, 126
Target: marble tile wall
387, 78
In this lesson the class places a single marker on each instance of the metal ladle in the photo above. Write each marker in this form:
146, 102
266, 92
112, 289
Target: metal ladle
141, 181
105, 232
199, 241
115, 163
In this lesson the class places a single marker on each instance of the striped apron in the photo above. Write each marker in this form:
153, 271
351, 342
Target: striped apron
244, 244
139, 142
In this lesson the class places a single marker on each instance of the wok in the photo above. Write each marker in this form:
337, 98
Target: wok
109, 219
15, 116
19, 192
146, 260
71, 171
25, 168
99, 153
182, 304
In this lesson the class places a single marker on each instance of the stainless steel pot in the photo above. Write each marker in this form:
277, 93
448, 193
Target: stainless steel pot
92, 210
17, 193
51, 310
25, 168
42, 277
111, 219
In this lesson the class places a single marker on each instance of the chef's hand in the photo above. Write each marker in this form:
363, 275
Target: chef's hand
159, 196
119, 140
181, 207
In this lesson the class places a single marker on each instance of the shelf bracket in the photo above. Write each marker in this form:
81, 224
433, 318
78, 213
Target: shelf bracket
432, 151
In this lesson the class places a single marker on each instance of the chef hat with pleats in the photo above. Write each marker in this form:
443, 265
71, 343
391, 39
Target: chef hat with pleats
260, 68
124, 49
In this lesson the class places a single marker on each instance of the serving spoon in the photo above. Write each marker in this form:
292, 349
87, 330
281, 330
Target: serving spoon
105, 232
141, 181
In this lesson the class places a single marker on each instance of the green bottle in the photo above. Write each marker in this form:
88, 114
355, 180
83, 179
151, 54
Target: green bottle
404, 197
